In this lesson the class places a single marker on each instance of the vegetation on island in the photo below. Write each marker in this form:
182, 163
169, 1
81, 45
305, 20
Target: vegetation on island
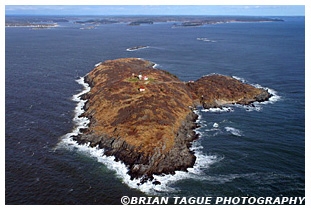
145, 116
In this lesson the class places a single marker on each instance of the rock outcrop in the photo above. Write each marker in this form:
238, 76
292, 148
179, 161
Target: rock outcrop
216, 90
144, 116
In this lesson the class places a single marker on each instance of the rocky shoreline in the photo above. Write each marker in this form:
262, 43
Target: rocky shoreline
151, 131
179, 158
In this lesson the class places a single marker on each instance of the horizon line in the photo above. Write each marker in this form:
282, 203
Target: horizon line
83, 15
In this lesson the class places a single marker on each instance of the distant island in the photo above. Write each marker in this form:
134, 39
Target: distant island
136, 48
145, 117
139, 22
177, 21
96, 21
222, 20
35, 22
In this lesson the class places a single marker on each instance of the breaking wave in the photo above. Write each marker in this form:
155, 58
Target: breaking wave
206, 40
274, 98
233, 131
256, 106
219, 128
222, 109
203, 161
80, 122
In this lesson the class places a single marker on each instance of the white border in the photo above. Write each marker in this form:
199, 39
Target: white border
176, 2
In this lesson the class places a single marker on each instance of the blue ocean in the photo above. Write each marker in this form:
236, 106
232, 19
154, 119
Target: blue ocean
241, 151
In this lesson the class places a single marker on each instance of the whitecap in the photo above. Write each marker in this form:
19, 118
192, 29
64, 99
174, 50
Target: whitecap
233, 131
214, 131
205, 40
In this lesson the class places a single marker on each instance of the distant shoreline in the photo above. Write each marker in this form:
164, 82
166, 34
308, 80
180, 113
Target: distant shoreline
29, 25
176, 21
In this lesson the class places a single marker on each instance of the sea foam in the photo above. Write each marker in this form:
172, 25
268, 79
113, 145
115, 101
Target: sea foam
233, 131
202, 160
222, 109
80, 122
274, 98
256, 106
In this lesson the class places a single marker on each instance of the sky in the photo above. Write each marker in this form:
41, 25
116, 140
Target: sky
253, 10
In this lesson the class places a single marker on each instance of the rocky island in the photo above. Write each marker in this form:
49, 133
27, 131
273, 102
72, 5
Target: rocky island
136, 48
145, 117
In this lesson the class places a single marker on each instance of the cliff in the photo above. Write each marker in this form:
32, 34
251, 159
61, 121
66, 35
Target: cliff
144, 116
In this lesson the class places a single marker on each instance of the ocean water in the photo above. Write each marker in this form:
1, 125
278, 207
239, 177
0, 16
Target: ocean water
242, 151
